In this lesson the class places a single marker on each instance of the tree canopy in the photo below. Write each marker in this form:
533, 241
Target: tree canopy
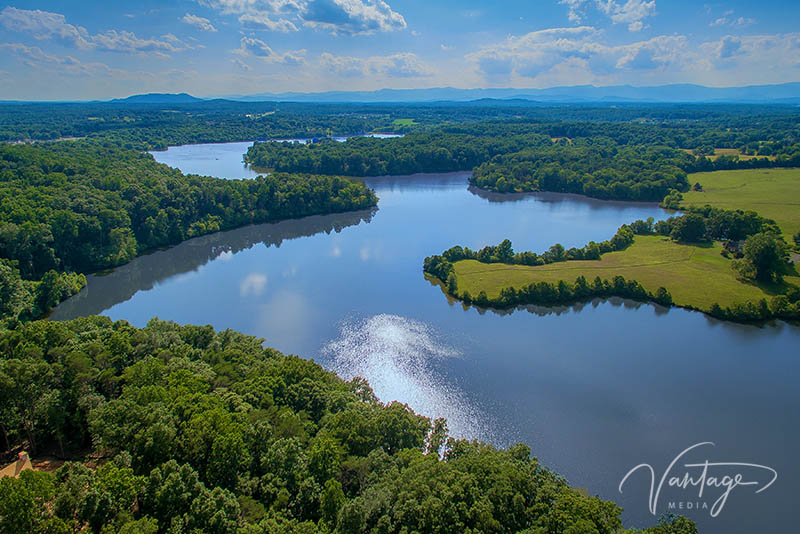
204, 431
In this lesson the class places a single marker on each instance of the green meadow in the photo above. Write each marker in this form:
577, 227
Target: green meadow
696, 276
772, 193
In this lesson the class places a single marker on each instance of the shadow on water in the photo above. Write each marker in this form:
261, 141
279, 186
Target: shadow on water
143, 273
616, 302
555, 198
561, 309
393, 182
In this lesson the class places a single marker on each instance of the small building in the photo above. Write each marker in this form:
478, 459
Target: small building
14, 469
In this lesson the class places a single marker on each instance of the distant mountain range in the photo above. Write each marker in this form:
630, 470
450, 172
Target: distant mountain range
783, 93
158, 98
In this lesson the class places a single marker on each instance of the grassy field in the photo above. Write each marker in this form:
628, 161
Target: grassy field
718, 152
696, 276
404, 122
773, 193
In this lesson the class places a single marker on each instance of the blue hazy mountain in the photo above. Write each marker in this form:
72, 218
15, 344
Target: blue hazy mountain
158, 98
781, 93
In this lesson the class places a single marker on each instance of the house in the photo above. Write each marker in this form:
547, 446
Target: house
14, 469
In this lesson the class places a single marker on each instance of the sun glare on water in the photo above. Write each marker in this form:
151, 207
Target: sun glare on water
396, 355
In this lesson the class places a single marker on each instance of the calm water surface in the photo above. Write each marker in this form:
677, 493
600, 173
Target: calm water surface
595, 389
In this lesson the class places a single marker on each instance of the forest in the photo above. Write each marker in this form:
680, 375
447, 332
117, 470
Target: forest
83, 206
192, 430
423, 152
619, 161
156, 126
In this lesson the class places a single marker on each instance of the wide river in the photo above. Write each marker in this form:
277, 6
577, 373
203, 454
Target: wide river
594, 389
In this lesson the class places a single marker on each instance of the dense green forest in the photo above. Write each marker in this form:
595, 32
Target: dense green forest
596, 168
84, 206
193, 430
156, 126
366, 156
621, 161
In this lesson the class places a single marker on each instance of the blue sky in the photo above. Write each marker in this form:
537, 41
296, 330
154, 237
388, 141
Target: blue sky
90, 49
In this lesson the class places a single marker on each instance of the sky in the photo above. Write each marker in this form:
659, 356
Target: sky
57, 50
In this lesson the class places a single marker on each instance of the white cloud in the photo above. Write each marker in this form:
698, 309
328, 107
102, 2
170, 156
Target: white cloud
564, 56
36, 58
250, 46
404, 65
352, 16
128, 42
727, 20
534, 53
241, 64
262, 21
632, 12
743, 22
349, 17
43, 25
575, 10
758, 53
199, 22
655, 53
573, 49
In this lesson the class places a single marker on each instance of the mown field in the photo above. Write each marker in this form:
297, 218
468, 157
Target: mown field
773, 193
696, 276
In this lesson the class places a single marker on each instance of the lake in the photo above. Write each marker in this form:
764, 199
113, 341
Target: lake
595, 389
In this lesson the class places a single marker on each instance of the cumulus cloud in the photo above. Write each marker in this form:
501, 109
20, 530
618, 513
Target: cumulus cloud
198, 22
534, 53
579, 49
580, 55
652, 54
46, 26
252, 47
128, 42
43, 25
36, 58
575, 10
734, 22
262, 21
777, 53
350, 17
404, 65
631, 12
